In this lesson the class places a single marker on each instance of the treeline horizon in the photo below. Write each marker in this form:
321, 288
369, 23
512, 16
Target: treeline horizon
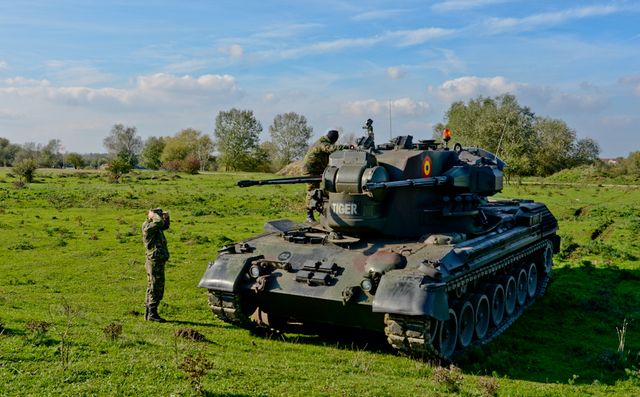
531, 145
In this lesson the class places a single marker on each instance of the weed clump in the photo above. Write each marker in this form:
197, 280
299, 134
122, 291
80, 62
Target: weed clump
37, 331
113, 331
195, 367
489, 386
451, 378
23, 245
190, 333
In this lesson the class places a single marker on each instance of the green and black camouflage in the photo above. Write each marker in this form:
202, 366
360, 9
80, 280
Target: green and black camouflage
157, 254
409, 243
316, 160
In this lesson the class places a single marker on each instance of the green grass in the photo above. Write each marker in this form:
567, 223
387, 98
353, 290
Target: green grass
71, 256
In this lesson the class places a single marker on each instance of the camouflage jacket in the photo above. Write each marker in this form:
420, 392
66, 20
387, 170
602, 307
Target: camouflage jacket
153, 237
317, 157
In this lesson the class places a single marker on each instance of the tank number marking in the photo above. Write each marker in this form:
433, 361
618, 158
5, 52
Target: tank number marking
345, 209
426, 166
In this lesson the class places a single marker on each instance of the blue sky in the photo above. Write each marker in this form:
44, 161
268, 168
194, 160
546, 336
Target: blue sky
72, 69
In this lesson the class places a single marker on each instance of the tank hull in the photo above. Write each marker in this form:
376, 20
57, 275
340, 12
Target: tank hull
304, 278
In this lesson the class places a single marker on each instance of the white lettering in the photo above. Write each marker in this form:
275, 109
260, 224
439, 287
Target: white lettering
345, 209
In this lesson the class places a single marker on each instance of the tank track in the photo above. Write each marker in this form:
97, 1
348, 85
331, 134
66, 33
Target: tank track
414, 335
228, 308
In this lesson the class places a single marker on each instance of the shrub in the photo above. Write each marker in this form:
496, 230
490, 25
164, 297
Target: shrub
118, 167
190, 165
173, 165
450, 378
26, 169
37, 331
113, 331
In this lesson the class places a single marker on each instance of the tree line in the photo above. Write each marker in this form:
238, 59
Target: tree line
530, 144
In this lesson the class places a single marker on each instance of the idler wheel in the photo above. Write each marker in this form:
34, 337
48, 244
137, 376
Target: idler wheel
495, 292
482, 311
466, 323
510, 292
448, 335
523, 286
532, 276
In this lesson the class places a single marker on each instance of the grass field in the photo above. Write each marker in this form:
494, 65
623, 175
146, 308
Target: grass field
72, 285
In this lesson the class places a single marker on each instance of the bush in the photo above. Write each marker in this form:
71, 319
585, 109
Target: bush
26, 169
190, 165
173, 165
118, 167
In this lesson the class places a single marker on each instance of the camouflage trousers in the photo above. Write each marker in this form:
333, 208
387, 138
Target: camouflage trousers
155, 282
311, 186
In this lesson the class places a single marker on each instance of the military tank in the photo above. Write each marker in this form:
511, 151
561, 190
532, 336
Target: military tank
408, 244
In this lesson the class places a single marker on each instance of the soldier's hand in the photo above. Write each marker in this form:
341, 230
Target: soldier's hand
165, 215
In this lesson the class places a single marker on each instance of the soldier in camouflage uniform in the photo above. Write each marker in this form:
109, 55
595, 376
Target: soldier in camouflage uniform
157, 254
316, 161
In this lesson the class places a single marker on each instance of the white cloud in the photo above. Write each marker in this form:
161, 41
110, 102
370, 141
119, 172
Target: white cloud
497, 25
460, 5
236, 52
398, 38
3, 65
395, 72
406, 38
372, 107
548, 98
75, 73
378, 14
633, 82
157, 88
471, 86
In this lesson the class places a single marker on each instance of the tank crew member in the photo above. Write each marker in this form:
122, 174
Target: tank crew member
316, 161
157, 254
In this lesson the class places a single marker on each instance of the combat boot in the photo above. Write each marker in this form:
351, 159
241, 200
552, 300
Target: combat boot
154, 316
146, 312
310, 218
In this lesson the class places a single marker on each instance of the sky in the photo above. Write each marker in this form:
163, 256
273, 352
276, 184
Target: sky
72, 69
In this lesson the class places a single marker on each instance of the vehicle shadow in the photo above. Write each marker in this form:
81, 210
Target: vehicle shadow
571, 333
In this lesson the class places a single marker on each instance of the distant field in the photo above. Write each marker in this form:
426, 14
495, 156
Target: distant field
71, 257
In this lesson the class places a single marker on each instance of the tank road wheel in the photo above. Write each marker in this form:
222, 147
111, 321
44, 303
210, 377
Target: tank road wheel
532, 276
496, 297
523, 286
466, 323
482, 310
547, 258
510, 292
448, 335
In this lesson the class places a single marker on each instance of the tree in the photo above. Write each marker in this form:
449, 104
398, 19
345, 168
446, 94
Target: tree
75, 160
555, 149
204, 148
124, 143
152, 153
586, 151
8, 152
50, 155
530, 144
290, 134
237, 133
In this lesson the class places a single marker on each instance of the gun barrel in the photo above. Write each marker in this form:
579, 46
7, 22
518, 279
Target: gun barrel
280, 181
419, 182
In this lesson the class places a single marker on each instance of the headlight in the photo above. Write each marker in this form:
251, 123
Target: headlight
254, 271
366, 285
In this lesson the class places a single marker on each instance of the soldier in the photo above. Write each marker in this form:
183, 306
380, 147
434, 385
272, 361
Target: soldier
316, 161
157, 254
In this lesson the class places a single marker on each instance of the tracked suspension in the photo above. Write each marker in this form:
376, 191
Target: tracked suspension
419, 336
